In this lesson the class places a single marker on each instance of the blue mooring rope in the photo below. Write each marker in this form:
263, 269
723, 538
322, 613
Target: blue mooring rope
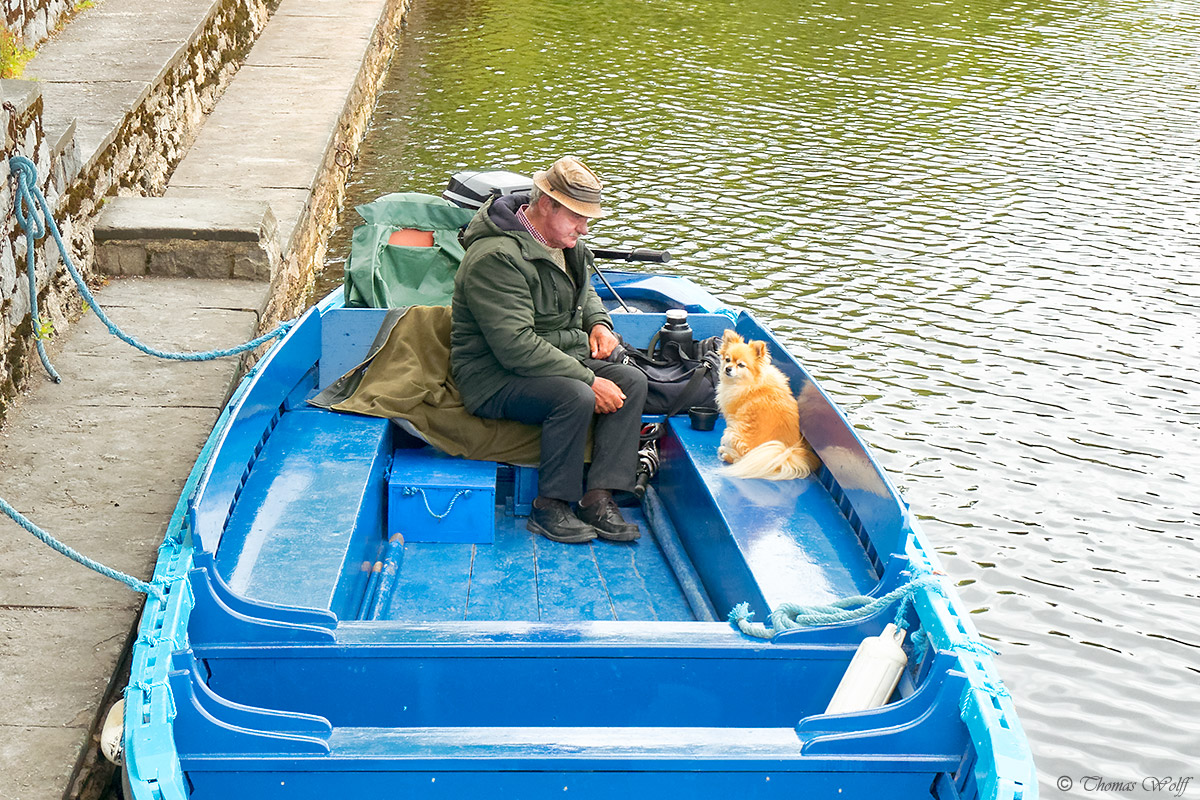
153, 589
789, 616
35, 218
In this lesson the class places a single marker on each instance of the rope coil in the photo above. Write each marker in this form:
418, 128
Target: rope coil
790, 616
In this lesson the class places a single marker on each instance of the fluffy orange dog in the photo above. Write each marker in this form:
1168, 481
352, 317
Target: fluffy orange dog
762, 420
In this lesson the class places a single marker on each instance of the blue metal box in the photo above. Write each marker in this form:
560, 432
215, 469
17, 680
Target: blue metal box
435, 498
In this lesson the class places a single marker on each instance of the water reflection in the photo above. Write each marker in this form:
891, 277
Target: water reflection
980, 224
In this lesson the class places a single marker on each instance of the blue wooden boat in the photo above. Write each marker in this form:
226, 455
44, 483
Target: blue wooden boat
346, 614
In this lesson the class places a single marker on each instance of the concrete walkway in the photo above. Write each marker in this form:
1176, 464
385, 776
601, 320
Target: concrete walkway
273, 131
102, 65
99, 460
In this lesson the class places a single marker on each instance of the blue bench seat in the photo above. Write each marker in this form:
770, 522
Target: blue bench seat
310, 512
758, 541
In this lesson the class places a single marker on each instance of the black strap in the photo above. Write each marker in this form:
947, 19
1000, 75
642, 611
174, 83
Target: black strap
690, 388
648, 356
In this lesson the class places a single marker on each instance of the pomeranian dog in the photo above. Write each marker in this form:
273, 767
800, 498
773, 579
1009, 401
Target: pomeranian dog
762, 419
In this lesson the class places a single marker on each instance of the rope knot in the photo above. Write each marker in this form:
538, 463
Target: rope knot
30, 215
144, 687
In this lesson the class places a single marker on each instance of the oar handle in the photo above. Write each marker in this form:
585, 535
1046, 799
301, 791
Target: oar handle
637, 254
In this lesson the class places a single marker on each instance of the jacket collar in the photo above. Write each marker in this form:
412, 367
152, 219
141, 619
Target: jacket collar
501, 214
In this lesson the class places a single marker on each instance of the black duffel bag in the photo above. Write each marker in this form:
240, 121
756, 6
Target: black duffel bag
677, 380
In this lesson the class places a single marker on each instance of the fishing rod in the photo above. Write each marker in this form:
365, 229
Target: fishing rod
637, 254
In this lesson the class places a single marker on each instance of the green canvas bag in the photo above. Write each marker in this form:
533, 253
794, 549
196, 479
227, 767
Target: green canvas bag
383, 275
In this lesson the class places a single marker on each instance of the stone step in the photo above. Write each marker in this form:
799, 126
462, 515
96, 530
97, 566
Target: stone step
287, 127
190, 237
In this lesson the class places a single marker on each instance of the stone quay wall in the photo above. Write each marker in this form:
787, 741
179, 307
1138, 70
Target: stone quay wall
32, 21
293, 280
21, 120
136, 160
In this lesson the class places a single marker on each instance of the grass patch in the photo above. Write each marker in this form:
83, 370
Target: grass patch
13, 54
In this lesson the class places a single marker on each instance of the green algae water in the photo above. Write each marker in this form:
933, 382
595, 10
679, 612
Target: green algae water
979, 224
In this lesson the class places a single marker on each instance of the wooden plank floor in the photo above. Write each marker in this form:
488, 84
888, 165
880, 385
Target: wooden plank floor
527, 577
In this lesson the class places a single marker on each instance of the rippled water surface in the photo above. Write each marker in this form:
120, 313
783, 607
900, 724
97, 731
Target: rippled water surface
978, 221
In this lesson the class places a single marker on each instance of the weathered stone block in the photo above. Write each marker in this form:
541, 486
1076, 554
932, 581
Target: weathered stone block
190, 259
252, 264
201, 237
18, 305
122, 259
8, 270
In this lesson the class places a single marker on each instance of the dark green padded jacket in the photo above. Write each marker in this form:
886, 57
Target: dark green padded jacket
515, 312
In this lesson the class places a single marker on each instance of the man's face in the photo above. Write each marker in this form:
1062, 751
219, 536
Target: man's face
562, 227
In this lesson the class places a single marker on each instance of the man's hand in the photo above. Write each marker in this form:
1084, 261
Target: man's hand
609, 396
602, 341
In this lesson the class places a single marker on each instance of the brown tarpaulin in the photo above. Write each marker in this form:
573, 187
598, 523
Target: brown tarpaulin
407, 376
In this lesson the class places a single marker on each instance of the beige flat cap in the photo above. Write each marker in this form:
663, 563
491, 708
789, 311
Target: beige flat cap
574, 185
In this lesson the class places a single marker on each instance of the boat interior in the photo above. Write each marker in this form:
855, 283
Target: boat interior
313, 502
357, 595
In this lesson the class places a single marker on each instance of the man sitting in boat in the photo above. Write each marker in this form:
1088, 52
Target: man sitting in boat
528, 335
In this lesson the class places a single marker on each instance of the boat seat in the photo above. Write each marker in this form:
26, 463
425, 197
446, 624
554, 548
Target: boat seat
758, 541
310, 512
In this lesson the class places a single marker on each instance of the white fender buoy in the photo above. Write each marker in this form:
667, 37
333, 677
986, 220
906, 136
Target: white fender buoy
112, 735
873, 673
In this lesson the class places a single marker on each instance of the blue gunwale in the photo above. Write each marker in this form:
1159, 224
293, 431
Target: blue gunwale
997, 765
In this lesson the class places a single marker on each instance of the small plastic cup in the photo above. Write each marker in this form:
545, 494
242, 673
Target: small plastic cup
703, 418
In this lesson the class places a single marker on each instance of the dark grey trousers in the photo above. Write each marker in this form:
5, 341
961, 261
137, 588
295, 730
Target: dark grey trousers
565, 407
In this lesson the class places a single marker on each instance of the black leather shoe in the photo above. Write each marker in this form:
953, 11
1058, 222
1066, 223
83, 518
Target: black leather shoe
605, 517
556, 522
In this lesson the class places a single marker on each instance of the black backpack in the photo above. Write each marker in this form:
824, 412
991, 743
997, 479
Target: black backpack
677, 380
